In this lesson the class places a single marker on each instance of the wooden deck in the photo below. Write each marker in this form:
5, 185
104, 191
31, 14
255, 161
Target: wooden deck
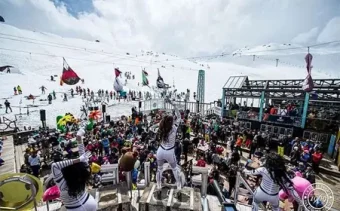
19, 156
8, 156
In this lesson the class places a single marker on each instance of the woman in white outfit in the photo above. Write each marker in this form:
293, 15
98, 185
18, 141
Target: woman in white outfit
71, 177
274, 178
166, 150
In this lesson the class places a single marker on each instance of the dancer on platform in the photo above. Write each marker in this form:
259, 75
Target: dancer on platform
166, 151
71, 177
274, 177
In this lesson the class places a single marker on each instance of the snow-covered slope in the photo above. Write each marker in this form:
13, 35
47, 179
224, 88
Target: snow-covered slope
38, 55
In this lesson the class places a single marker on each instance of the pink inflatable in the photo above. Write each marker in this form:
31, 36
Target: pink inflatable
51, 194
300, 185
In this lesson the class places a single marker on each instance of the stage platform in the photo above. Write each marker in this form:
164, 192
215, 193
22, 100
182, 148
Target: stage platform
8, 156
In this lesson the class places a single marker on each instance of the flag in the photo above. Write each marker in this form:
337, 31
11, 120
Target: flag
118, 85
308, 84
160, 82
69, 77
117, 72
308, 59
145, 81
145, 73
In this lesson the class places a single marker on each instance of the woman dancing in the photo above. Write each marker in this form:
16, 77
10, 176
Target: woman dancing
71, 177
166, 150
274, 177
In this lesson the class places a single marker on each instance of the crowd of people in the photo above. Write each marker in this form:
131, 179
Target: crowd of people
163, 137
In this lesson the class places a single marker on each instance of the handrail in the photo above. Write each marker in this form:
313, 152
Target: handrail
239, 180
28, 181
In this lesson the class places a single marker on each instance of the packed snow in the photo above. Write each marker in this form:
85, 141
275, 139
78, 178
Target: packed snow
42, 55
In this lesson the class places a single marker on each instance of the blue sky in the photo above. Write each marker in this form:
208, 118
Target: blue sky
75, 7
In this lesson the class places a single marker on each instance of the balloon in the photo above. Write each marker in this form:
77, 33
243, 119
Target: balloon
90, 125
95, 115
300, 186
51, 193
58, 118
127, 161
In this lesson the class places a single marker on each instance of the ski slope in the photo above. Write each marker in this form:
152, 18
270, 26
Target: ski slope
37, 55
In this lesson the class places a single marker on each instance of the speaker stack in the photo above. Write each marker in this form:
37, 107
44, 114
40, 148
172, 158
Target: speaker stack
107, 118
43, 117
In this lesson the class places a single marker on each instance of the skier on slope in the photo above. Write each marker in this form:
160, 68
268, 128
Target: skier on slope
42, 89
19, 90
72, 93
65, 97
8, 106
49, 98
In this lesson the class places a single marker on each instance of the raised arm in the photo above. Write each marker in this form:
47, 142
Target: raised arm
58, 166
81, 147
257, 171
177, 114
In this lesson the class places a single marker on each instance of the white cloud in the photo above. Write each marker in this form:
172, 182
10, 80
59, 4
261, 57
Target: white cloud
184, 27
307, 37
331, 32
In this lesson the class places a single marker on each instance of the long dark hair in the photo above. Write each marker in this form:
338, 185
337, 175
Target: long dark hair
76, 177
165, 126
235, 158
276, 167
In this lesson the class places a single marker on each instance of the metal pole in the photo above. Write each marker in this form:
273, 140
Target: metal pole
204, 184
128, 177
305, 110
261, 106
147, 173
223, 103
237, 185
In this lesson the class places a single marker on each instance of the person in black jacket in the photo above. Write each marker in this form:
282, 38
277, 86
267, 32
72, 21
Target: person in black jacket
8, 106
186, 143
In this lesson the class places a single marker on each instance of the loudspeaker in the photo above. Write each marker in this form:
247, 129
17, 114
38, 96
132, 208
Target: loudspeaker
96, 108
103, 108
140, 104
107, 118
42, 115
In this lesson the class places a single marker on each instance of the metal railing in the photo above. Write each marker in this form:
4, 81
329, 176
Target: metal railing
241, 180
194, 107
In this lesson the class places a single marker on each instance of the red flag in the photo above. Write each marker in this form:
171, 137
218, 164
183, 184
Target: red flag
117, 72
69, 77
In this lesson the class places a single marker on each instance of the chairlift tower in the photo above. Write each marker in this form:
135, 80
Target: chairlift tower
201, 87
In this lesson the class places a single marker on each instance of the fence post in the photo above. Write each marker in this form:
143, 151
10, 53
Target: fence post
223, 103
198, 106
305, 110
261, 106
